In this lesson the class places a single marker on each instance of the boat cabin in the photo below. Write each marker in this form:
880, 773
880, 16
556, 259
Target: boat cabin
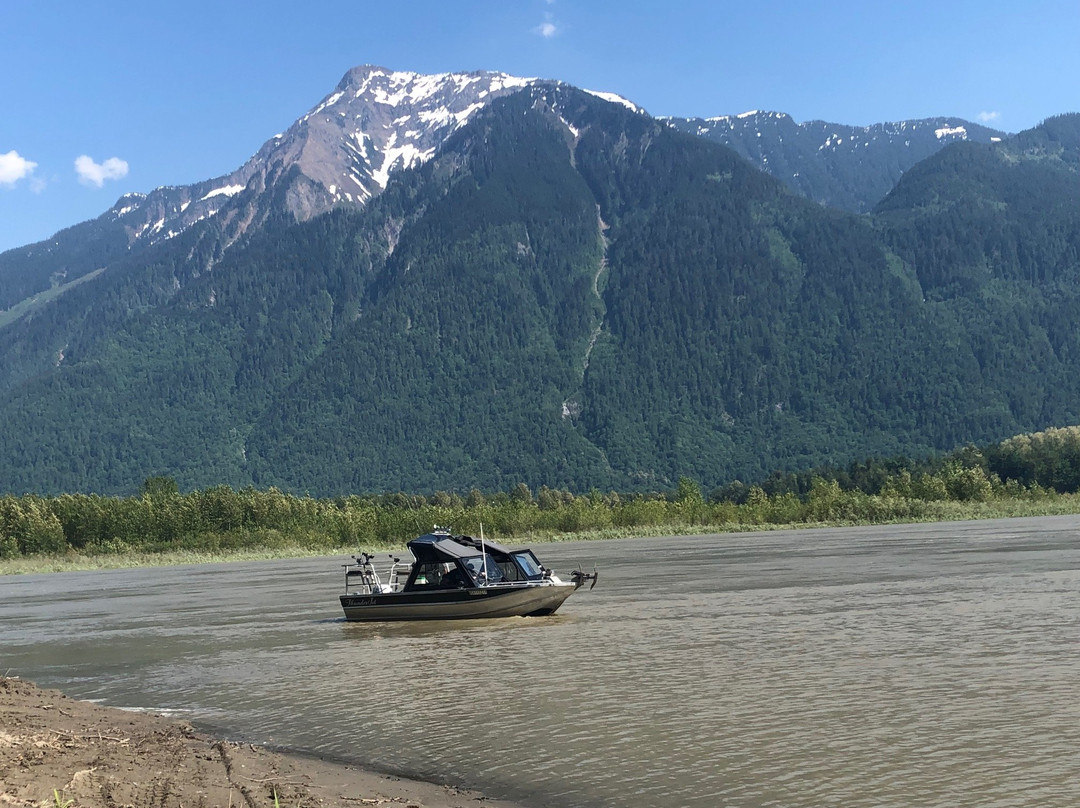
444, 561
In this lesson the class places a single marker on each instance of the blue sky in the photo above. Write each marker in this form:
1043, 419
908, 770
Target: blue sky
99, 99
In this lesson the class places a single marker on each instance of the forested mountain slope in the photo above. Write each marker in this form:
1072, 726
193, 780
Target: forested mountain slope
568, 293
993, 234
473, 330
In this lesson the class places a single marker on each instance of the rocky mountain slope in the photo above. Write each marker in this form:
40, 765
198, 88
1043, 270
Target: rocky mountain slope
375, 122
341, 153
840, 166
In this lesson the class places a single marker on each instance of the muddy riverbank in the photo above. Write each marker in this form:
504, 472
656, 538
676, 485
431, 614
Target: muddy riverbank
55, 749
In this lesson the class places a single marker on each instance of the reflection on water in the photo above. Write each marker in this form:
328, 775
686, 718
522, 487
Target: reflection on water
902, 666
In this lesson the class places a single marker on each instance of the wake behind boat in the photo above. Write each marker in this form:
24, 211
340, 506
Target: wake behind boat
454, 577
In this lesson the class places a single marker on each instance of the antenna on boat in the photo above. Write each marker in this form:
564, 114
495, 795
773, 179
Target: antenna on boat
483, 551
454, 523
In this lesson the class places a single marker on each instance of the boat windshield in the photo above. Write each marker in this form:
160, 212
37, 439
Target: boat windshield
475, 565
528, 563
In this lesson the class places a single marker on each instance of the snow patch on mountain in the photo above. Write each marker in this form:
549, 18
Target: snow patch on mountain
617, 99
226, 190
573, 129
398, 158
946, 131
380, 121
330, 101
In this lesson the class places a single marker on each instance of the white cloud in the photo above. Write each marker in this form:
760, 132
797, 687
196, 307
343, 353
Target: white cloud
989, 117
547, 28
91, 173
13, 167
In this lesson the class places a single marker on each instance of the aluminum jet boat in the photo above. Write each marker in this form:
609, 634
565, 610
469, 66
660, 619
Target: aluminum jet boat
454, 577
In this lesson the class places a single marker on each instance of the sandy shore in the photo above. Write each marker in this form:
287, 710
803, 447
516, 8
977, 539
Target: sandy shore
54, 749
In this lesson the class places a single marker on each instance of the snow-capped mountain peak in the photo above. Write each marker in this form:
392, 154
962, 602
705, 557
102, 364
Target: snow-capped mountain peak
343, 151
375, 122
383, 121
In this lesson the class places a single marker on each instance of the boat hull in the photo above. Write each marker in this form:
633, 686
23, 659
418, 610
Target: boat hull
458, 604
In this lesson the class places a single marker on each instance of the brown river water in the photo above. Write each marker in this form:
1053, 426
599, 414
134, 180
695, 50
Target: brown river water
920, 665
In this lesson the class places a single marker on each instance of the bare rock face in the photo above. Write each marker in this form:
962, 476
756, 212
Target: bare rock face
343, 151
377, 122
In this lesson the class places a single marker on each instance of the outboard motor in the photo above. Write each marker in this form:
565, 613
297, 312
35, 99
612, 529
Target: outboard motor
578, 577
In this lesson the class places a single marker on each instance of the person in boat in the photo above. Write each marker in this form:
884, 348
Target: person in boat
485, 569
454, 578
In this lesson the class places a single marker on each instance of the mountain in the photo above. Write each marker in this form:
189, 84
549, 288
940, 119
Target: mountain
565, 292
993, 233
375, 121
196, 339
840, 166
341, 153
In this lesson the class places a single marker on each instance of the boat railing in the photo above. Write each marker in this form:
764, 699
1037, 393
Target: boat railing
502, 583
361, 578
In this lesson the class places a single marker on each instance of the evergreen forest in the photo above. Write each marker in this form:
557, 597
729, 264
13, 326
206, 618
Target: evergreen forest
570, 296
1034, 474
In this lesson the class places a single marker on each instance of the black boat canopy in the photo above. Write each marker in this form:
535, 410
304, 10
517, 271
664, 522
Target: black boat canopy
444, 547
489, 546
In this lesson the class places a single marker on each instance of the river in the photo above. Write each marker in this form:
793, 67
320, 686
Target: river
918, 665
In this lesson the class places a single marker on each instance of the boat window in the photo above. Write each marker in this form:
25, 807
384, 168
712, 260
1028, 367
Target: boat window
475, 565
440, 575
528, 563
511, 571
453, 577
428, 576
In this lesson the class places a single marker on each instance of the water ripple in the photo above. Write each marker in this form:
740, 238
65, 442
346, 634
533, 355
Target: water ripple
926, 665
